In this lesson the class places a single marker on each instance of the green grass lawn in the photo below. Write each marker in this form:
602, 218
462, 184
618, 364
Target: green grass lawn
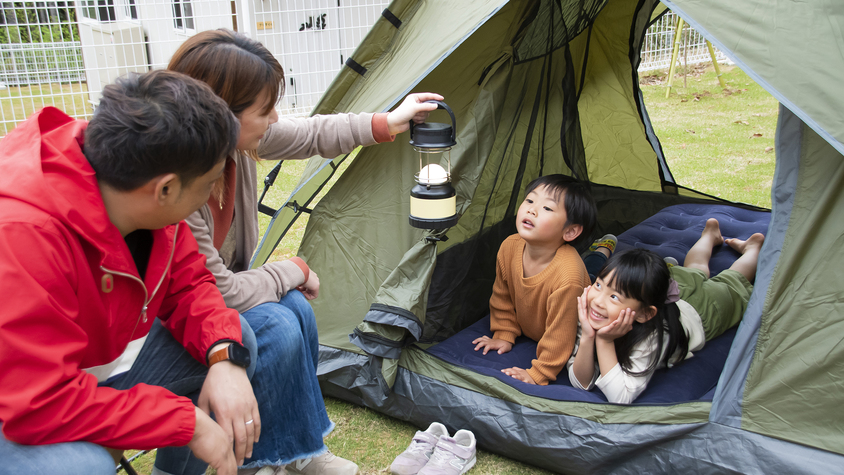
718, 142
18, 103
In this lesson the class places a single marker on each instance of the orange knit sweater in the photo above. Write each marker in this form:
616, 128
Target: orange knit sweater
542, 307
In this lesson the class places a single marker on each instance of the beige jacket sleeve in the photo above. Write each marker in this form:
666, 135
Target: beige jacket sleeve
324, 135
287, 139
249, 288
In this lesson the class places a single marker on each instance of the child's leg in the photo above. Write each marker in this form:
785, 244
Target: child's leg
746, 264
600, 250
698, 256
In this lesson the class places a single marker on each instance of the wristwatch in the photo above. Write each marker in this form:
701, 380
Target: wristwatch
234, 352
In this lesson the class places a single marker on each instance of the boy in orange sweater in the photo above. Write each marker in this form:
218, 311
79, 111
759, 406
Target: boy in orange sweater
539, 275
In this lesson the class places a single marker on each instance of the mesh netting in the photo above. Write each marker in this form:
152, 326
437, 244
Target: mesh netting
552, 25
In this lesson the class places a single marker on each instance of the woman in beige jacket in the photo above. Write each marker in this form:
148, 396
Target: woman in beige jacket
293, 420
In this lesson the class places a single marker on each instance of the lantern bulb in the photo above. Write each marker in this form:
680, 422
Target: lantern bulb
433, 174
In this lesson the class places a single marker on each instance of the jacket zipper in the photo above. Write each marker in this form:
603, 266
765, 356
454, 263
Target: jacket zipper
147, 296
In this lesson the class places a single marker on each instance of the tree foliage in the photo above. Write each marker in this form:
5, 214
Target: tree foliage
37, 22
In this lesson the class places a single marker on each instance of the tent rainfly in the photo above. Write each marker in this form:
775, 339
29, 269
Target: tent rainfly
539, 87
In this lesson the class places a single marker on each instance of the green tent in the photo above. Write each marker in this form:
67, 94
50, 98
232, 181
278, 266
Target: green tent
539, 87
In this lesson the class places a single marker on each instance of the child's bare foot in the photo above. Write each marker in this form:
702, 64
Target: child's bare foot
712, 231
753, 243
698, 256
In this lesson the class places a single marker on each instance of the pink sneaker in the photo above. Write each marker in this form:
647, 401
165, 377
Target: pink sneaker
419, 451
452, 456
325, 464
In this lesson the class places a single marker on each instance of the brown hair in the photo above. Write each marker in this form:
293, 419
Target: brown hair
236, 67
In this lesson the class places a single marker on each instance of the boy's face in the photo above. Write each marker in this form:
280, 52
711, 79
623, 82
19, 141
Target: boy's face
541, 219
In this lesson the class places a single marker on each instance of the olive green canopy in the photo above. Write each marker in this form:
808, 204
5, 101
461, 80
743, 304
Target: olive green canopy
544, 86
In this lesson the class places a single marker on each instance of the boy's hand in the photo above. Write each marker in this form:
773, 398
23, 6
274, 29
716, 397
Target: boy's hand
520, 374
488, 343
310, 289
412, 108
586, 330
618, 328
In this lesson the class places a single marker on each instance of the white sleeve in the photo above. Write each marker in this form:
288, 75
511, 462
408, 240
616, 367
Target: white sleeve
622, 388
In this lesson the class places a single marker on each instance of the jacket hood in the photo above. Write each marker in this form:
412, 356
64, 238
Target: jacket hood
43, 166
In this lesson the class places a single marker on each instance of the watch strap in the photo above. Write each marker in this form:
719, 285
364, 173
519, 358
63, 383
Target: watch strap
220, 355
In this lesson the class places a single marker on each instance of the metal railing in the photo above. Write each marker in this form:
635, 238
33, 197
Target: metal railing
39, 63
656, 50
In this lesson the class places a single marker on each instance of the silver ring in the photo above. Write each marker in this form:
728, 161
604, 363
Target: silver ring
249, 421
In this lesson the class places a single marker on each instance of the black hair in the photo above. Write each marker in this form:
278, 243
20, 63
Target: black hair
147, 125
643, 275
579, 204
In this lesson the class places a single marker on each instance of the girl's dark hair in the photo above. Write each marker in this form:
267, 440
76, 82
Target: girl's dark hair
643, 275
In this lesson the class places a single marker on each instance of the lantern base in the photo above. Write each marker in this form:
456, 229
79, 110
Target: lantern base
429, 223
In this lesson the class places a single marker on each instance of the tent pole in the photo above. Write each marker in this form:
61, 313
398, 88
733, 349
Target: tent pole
715, 65
677, 34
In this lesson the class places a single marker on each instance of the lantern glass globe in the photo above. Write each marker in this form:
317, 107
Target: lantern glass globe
432, 174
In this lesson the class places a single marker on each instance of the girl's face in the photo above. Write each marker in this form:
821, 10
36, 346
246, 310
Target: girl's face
604, 304
255, 121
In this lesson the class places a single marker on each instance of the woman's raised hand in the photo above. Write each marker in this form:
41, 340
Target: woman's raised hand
412, 108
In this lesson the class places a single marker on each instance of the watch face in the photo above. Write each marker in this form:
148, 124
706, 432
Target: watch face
239, 355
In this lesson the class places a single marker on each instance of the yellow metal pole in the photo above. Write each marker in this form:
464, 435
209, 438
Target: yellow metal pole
715, 65
677, 35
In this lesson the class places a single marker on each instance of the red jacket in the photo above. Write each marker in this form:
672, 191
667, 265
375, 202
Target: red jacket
72, 298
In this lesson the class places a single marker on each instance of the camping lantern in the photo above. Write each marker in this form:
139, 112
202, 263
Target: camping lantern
433, 202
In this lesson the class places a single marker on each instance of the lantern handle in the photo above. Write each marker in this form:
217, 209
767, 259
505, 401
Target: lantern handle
442, 105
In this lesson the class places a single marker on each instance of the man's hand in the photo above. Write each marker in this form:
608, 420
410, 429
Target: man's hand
520, 374
310, 289
212, 445
227, 393
488, 343
412, 108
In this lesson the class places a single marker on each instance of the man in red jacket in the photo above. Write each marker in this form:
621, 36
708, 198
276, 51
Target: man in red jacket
91, 250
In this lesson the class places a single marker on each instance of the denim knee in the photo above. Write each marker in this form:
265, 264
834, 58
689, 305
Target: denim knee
73, 458
297, 302
251, 344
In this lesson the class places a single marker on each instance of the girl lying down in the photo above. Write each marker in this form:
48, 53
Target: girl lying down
641, 315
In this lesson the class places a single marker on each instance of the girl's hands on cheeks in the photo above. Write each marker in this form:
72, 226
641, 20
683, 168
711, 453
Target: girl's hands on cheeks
618, 328
520, 374
586, 330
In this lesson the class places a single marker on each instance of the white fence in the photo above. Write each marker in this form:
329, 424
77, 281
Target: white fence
40, 63
659, 43
63, 55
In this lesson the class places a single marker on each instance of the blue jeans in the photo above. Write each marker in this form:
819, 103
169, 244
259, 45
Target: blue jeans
163, 362
293, 417
71, 458
594, 262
